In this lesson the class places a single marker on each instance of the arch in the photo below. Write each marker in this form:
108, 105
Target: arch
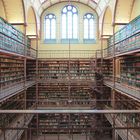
46, 4
2, 10
123, 11
15, 12
31, 29
135, 9
107, 28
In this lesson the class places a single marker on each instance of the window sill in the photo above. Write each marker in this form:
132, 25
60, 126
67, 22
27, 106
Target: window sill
71, 41
89, 41
50, 41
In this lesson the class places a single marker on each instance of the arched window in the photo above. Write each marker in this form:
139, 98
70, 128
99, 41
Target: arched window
89, 27
69, 22
50, 26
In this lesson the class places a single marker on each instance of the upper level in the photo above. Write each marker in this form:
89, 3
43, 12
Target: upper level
14, 41
125, 41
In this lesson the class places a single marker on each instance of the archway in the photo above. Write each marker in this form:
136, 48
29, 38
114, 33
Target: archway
31, 29
2, 10
123, 11
14, 10
107, 28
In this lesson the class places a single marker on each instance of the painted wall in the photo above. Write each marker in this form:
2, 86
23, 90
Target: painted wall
136, 9
123, 11
82, 10
20, 28
33, 43
107, 28
2, 12
31, 22
14, 11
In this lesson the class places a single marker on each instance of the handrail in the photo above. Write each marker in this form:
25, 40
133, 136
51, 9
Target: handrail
69, 111
66, 53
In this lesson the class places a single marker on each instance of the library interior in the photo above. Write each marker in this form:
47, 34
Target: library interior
69, 69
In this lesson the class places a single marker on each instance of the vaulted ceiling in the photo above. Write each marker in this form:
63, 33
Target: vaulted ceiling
121, 11
98, 5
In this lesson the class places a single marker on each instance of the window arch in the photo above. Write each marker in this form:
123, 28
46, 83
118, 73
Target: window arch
89, 26
69, 22
50, 26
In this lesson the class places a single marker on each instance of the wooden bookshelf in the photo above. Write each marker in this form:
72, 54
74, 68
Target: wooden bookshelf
124, 102
12, 71
15, 102
82, 69
107, 67
53, 69
127, 39
130, 71
64, 123
31, 70
14, 41
59, 95
65, 69
31, 97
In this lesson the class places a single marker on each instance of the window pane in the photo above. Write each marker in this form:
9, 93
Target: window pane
69, 24
53, 29
47, 29
91, 25
75, 26
64, 30
86, 28
74, 10
50, 26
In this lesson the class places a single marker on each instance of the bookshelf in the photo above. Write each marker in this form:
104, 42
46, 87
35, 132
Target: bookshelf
60, 69
126, 40
31, 97
31, 69
14, 41
59, 95
107, 67
130, 67
124, 102
53, 69
82, 69
12, 71
64, 123
15, 102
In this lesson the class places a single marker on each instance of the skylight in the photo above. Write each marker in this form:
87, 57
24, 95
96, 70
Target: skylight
42, 1
96, 1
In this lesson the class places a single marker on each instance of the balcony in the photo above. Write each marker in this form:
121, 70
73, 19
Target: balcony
21, 121
66, 54
120, 121
15, 88
125, 41
130, 89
